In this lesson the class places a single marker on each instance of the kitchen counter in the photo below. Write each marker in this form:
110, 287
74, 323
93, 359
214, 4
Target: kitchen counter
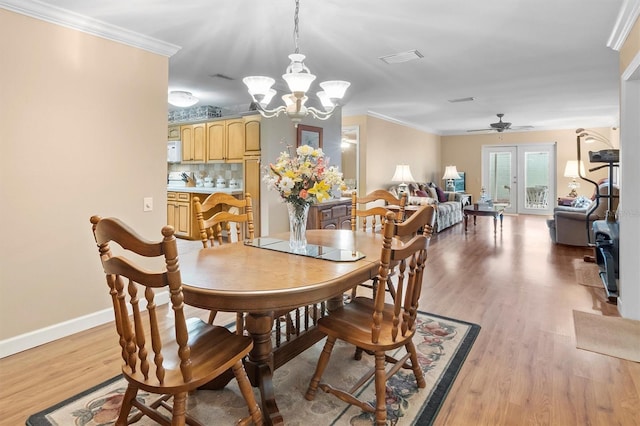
204, 190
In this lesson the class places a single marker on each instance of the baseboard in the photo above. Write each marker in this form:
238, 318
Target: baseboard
48, 334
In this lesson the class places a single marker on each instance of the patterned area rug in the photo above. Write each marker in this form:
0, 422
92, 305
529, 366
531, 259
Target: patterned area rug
442, 343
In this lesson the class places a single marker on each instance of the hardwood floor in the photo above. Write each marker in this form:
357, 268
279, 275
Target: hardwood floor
523, 369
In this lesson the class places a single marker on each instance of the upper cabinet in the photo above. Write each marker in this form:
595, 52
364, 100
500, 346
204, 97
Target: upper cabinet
193, 143
252, 135
174, 133
225, 139
219, 140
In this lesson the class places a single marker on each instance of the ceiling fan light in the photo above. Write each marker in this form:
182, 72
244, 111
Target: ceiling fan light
335, 89
182, 99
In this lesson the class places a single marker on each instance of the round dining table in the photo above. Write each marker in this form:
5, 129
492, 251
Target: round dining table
262, 277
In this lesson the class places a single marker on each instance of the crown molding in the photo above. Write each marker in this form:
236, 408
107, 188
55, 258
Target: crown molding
66, 18
627, 17
402, 123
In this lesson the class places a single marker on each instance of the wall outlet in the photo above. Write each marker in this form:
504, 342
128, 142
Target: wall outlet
147, 204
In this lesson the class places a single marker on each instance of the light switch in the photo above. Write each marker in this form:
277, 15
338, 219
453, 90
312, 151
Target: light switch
147, 204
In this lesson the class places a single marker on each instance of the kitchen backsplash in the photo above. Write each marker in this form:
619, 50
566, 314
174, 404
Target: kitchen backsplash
228, 171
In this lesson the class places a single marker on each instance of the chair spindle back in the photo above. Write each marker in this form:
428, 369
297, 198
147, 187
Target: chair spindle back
405, 248
226, 209
119, 270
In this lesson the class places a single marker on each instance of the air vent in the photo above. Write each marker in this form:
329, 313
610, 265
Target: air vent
469, 99
222, 76
398, 58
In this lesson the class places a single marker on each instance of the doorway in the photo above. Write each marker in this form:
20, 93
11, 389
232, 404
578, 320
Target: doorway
521, 178
350, 162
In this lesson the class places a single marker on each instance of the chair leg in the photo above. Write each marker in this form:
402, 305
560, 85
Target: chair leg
322, 364
247, 393
179, 409
240, 323
127, 403
415, 366
381, 389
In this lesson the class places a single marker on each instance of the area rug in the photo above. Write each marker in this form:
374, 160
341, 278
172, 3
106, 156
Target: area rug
613, 336
587, 274
442, 343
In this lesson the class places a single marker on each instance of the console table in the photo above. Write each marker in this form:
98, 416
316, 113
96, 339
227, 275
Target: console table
332, 214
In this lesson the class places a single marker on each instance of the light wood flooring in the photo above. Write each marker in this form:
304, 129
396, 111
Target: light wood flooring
524, 368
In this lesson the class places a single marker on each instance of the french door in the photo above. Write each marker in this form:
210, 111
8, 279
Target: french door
522, 178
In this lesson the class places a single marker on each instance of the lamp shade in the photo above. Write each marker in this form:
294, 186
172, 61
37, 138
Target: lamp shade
571, 169
451, 172
402, 174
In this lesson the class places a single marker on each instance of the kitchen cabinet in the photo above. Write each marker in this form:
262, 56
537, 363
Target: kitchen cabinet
173, 133
252, 186
225, 140
252, 135
334, 214
194, 142
179, 213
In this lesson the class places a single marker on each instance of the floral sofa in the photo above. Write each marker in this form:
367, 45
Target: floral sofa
448, 204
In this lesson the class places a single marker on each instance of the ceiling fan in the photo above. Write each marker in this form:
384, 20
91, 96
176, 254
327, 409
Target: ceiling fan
501, 126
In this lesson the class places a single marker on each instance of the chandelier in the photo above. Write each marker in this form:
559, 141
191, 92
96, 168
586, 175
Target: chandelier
299, 79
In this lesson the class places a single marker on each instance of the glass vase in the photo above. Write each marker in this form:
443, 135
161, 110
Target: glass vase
298, 226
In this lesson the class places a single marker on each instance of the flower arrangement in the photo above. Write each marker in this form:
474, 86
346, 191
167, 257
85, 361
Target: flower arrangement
305, 178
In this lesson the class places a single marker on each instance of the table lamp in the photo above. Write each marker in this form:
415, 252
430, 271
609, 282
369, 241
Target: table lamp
451, 173
571, 170
402, 175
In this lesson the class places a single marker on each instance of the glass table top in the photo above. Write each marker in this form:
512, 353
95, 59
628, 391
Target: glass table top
319, 252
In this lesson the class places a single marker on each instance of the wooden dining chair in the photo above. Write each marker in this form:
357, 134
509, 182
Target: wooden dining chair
378, 326
222, 209
372, 215
171, 361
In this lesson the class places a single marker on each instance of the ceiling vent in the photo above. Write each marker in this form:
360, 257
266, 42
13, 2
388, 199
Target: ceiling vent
398, 58
222, 76
469, 99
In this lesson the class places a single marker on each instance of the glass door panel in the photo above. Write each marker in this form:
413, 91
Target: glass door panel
536, 181
521, 178
499, 165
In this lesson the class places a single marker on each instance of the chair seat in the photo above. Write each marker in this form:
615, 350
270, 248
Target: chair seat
208, 361
352, 323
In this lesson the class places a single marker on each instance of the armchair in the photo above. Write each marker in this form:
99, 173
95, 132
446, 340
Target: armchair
569, 224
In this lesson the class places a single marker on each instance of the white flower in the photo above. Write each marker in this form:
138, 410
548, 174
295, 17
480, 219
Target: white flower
286, 184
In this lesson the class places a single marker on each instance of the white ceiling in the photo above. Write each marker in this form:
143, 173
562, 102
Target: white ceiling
543, 63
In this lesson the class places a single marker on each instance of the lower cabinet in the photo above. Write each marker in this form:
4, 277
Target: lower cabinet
181, 214
334, 214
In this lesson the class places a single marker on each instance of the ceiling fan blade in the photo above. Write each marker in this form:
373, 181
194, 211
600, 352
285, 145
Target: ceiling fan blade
481, 130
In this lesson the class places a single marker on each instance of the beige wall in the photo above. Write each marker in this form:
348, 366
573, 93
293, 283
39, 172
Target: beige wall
384, 144
630, 47
83, 124
465, 152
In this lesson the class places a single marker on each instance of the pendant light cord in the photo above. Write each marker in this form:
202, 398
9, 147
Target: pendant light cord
295, 26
